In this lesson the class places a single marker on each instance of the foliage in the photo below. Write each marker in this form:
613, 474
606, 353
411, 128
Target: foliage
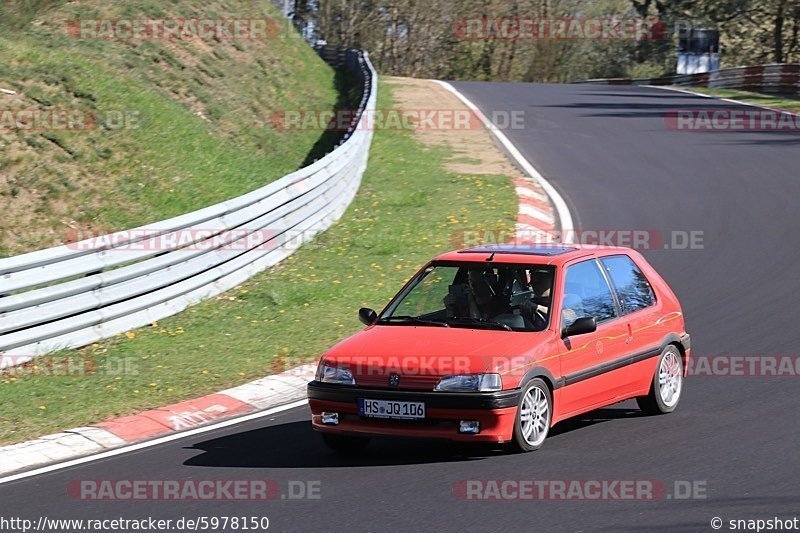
421, 39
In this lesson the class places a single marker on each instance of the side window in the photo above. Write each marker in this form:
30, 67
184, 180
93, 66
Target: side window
586, 293
633, 289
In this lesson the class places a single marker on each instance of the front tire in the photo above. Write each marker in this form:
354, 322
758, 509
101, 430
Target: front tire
534, 413
344, 443
667, 385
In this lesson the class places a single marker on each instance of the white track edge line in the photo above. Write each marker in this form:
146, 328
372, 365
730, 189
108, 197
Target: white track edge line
729, 100
565, 222
153, 442
564, 216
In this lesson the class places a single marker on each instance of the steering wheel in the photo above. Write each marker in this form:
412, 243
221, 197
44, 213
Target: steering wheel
536, 317
539, 320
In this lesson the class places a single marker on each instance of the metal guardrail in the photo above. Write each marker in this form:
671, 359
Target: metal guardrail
780, 78
75, 294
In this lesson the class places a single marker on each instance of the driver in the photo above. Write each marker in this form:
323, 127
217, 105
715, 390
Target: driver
483, 297
538, 306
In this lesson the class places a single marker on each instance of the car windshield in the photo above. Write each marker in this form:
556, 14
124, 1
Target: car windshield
476, 295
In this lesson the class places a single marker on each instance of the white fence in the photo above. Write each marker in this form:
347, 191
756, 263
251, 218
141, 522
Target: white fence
75, 294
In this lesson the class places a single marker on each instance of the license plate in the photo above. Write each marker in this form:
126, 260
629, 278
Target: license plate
391, 409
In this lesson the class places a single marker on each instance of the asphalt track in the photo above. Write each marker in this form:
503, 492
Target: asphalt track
610, 154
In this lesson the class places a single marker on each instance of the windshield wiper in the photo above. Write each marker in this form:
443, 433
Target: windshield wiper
482, 321
415, 320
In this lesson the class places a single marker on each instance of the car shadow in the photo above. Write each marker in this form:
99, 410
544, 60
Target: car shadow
591, 418
296, 445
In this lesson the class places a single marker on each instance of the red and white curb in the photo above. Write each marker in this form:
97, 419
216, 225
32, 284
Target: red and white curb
536, 220
776, 78
543, 214
729, 100
258, 395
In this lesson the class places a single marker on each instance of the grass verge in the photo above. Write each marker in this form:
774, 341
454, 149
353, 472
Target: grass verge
407, 210
788, 102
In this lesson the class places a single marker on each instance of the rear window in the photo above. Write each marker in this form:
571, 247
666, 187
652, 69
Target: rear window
633, 289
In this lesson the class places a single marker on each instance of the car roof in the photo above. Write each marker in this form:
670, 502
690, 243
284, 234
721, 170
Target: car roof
549, 254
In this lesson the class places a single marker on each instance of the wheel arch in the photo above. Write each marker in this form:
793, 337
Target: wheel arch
676, 340
542, 373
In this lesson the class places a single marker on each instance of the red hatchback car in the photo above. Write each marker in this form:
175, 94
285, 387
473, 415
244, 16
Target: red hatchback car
498, 343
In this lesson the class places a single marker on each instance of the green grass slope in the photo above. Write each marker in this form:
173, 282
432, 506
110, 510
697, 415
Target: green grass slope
409, 208
181, 124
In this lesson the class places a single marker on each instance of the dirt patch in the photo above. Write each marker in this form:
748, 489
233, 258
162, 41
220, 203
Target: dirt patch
474, 150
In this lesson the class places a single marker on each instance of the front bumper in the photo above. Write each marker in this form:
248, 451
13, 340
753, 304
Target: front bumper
494, 410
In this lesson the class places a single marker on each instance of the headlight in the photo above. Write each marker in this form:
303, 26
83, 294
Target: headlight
328, 373
470, 383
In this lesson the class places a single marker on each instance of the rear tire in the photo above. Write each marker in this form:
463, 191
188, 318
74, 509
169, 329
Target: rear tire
667, 384
534, 413
344, 443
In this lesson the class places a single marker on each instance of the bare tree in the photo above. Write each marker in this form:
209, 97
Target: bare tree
422, 38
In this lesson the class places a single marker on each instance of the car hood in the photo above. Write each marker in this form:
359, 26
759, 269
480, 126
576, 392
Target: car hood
427, 353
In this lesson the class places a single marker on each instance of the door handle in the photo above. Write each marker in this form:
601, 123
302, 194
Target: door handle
630, 335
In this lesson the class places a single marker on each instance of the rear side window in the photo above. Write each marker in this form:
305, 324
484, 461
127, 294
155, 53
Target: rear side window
633, 289
586, 293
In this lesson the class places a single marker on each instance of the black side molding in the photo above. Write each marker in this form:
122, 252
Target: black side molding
576, 377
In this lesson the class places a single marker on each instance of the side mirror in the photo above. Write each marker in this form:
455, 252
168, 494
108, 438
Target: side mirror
367, 316
583, 325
